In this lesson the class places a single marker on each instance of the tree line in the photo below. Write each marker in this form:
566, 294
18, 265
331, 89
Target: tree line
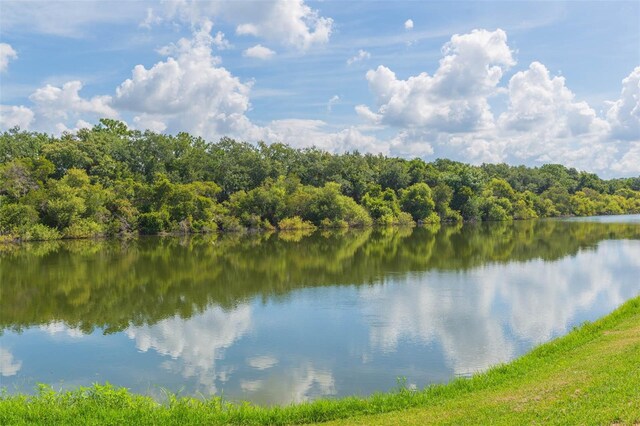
111, 180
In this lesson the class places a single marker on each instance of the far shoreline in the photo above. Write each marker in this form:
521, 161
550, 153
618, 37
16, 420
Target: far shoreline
4, 240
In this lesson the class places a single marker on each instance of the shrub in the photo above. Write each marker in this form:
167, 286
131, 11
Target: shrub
451, 215
405, 219
229, 223
431, 219
497, 213
386, 220
153, 222
295, 222
294, 235
334, 224
83, 228
523, 211
6, 239
39, 232
253, 221
267, 226
204, 226
15, 216
353, 213
470, 210
402, 219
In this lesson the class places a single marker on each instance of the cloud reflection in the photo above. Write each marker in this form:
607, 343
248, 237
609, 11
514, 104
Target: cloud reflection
195, 344
8, 365
478, 316
296, 383
58, 327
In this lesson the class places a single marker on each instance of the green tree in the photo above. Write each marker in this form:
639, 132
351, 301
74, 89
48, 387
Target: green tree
383, 206
417, 200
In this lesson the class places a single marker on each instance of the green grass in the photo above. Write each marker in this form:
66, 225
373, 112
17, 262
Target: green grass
589, 376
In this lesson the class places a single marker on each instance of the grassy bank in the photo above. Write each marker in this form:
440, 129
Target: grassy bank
590, 376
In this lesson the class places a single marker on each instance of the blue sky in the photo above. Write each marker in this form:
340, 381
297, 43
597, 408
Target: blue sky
517, 82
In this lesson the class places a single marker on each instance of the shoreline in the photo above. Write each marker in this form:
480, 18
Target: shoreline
8, 239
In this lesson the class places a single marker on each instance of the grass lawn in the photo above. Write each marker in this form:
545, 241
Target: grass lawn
589, 376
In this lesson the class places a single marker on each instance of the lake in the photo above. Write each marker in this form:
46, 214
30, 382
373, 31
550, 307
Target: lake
286, 317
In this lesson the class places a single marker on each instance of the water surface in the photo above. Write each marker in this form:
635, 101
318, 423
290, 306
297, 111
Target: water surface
276, 318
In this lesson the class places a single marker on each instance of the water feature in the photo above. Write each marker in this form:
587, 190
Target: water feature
284, 317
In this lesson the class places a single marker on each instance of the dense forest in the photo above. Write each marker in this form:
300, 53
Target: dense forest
111, 180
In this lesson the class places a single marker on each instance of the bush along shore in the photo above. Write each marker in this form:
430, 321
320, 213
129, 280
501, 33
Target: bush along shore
589, 376
111, 180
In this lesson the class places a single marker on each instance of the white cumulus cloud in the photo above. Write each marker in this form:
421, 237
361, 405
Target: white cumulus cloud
220, 41
188, 91
148, 122
290, 23
408, 24
537, 101
449, 114
360, 56
62, 101
12, 116
55, 107
300, 133
80, 124
259, 52
454, 99
7, 53
544, 122
411, 144
629, 163
624, 114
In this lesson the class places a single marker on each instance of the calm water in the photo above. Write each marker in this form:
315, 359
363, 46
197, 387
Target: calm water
287, 317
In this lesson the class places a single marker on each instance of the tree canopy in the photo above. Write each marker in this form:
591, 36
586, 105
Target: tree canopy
111, 180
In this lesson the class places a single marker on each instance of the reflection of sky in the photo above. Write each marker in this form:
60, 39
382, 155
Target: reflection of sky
479, 316
195, 344
8, 365
344, 340
631, 218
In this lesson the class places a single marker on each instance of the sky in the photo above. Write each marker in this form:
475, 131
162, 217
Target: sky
516, 82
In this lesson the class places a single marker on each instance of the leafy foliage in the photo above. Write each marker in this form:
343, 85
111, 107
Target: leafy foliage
112, 180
